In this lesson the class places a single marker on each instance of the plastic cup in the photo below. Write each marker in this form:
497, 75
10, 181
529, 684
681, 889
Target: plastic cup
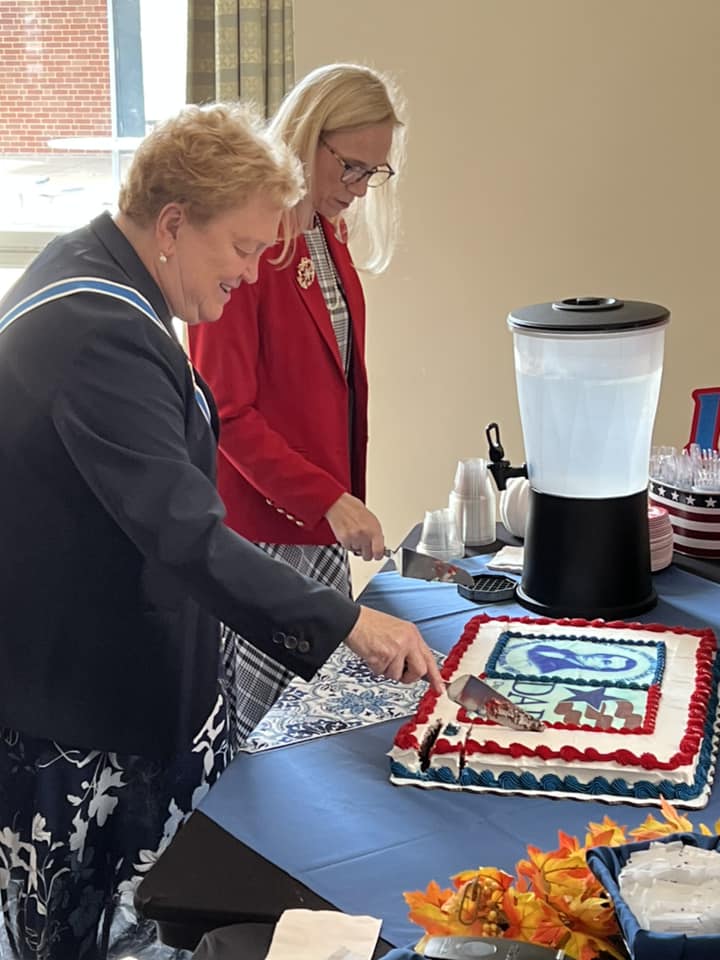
439, 536
474, 518
471, 477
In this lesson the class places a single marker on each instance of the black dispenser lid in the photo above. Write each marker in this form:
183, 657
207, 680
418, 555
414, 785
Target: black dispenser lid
588, 315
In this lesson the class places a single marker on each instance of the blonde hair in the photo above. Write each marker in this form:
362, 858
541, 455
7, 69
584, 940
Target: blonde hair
341, 97
209, 159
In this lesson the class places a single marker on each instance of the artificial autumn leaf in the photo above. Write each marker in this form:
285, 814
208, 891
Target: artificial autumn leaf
571, 869
567, 843
584, 946
461, 906
532, 919
582, 928
555, 901
651, 828
706, 831
593, 914
499, 877
426, 908
676, 820
476, 905
532, 870
433, 894
554, 872
438, 912
605, 834
562, 879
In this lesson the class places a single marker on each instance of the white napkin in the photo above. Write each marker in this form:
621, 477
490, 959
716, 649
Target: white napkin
323, 935
509, 559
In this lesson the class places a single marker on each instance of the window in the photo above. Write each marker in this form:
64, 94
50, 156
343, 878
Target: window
81, 81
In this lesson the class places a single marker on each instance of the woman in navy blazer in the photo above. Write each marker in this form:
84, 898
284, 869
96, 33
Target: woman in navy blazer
115, 561
286, 361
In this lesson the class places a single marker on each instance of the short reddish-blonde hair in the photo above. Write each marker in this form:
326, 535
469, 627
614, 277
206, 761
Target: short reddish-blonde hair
209, 158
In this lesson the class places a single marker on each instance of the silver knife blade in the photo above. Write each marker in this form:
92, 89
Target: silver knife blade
420, 566
479, 697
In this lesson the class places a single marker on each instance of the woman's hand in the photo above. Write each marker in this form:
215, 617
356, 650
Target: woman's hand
356, 528
393, 648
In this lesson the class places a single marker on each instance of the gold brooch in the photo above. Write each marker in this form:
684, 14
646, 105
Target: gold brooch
305, 272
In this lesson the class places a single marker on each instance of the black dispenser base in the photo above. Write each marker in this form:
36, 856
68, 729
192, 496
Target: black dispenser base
587, 558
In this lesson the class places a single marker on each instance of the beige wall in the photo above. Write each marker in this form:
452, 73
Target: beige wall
557, 148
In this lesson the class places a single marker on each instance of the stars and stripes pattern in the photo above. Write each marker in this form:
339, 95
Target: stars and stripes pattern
695, 518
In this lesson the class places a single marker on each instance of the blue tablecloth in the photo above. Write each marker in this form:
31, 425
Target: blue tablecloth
326, 812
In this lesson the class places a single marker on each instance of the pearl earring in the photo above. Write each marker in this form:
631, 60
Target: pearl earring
162, 258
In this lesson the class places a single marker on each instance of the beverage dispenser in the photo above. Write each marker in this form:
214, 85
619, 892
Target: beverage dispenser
588, 373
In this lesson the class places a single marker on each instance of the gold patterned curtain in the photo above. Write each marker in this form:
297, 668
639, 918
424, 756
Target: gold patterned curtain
240, 49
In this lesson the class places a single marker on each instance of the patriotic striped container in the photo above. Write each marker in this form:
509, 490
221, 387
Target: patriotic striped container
695, 518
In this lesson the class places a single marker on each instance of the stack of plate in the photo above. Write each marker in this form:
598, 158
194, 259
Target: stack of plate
661, 538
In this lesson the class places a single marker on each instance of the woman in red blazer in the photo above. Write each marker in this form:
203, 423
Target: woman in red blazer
286, 362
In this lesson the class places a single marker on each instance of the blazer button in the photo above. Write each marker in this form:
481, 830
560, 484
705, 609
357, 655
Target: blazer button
268, 502
303, 646
279, 637
290, 642
300, 523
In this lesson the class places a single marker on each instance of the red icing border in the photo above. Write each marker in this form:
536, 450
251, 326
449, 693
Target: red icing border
689, 745
405, 738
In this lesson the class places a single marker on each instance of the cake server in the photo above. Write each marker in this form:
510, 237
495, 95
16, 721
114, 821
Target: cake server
476, 696
421, 566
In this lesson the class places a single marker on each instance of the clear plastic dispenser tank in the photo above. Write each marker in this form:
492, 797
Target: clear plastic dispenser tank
588, 399
588, 372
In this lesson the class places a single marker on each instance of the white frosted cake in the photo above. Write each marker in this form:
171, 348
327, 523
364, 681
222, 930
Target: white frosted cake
629, 710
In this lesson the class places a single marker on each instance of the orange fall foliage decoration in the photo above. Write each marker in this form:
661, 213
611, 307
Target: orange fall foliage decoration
553, 900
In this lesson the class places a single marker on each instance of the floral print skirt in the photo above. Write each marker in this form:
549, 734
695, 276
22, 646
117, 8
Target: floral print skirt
79, 828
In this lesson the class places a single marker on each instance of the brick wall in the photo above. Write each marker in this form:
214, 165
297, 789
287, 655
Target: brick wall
54, 72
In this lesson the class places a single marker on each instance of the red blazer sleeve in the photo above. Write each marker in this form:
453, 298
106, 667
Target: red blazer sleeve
227, 354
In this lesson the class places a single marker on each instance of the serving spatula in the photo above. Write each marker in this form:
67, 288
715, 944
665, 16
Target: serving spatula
420, 566
476, 696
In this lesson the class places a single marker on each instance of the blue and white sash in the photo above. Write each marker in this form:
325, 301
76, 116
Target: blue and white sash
108, 288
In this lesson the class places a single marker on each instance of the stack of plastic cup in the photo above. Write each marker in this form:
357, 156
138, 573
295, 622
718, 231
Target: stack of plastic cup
439, 536
472, 502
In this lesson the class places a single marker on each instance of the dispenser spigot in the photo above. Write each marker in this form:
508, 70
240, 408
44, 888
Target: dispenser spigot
499, 467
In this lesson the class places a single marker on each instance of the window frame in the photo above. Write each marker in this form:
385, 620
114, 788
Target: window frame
19, 245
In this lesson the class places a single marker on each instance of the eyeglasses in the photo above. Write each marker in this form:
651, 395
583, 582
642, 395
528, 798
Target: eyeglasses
356, 172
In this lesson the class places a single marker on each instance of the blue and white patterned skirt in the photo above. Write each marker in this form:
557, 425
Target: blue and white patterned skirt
79, 828
255, 680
